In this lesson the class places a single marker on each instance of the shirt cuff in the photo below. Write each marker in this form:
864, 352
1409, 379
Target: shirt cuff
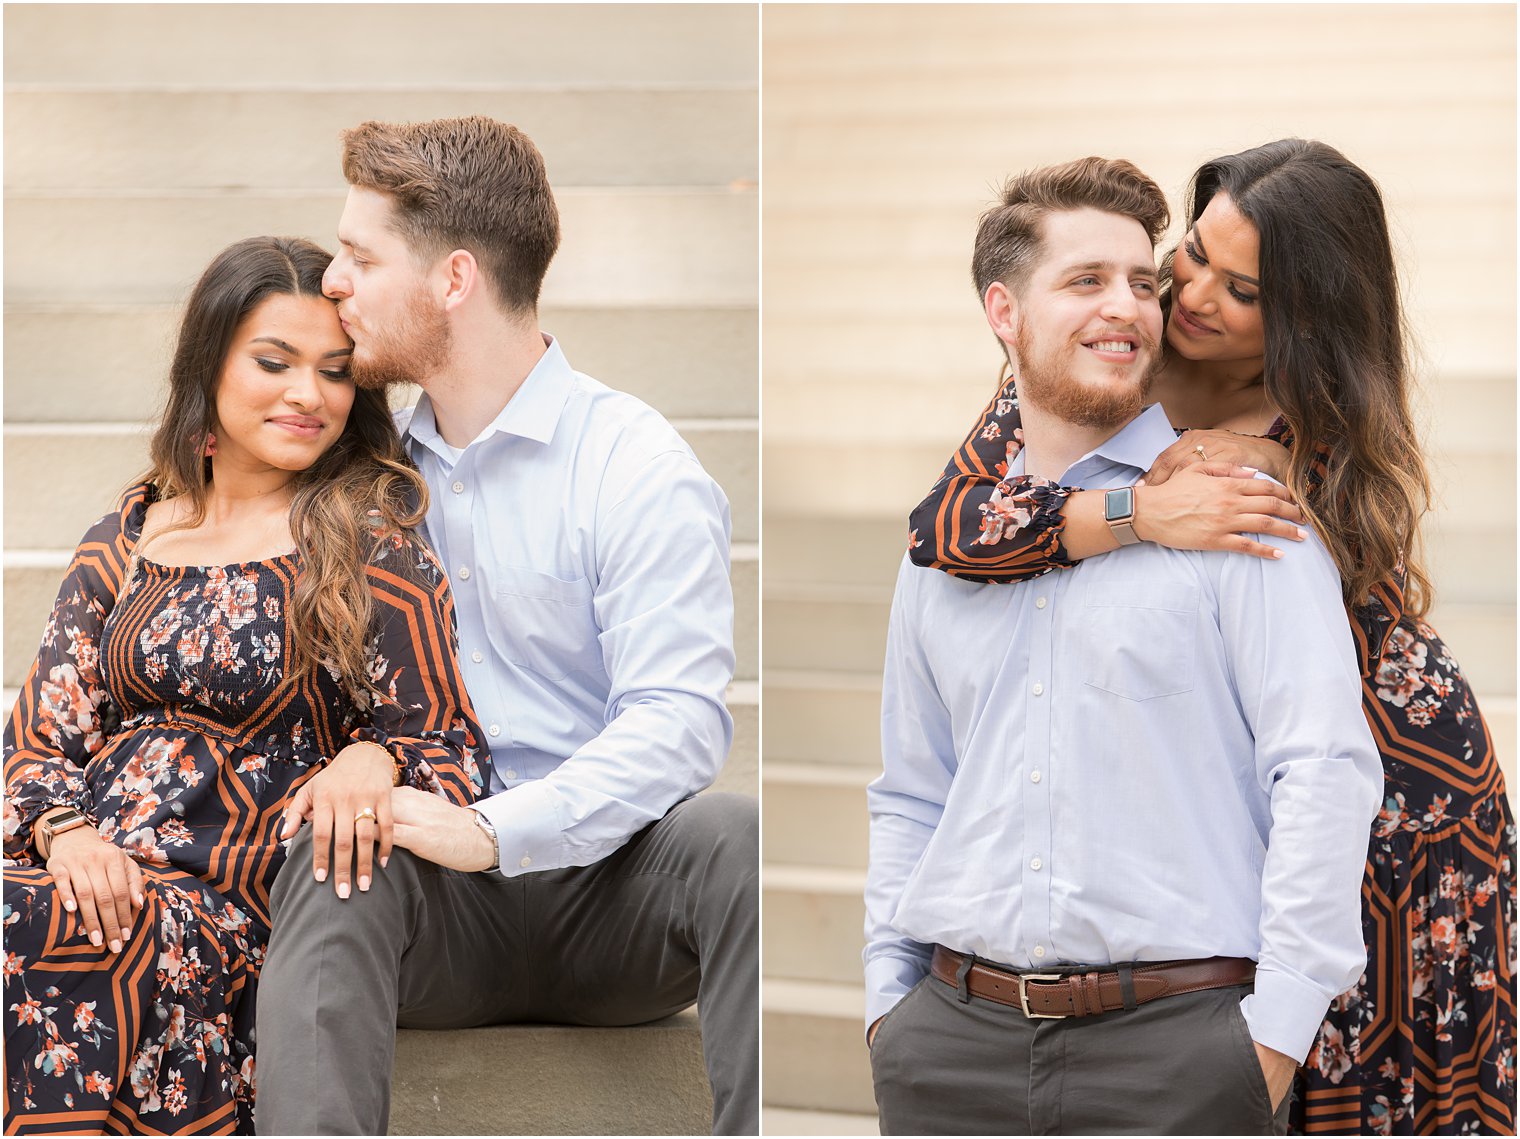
1284, 1014
888, 980
528, 833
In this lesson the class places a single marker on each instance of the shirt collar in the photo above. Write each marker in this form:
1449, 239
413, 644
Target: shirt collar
533, 412
1135, 445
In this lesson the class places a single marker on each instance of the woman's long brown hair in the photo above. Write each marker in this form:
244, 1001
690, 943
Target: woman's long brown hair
361, 487
1336, 359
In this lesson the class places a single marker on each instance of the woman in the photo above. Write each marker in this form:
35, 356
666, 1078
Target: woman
1285, 340
255, 614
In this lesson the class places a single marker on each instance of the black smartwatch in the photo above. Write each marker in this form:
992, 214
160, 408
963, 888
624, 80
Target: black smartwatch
1119, 513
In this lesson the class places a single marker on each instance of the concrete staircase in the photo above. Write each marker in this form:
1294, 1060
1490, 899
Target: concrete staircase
140, 140
887, 129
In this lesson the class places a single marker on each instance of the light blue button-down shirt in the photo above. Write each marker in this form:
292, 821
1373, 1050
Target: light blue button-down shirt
588, 553
1156, 754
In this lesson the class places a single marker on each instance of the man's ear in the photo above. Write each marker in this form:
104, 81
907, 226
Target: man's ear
458, 277
1002, 309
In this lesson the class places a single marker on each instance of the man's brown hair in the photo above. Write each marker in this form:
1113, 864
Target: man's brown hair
474, 184
1010, 235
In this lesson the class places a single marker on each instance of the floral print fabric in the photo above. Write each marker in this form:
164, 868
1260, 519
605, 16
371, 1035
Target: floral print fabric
156, 707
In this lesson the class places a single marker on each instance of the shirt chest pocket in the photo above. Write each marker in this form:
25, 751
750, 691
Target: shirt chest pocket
1140, 641
546, 623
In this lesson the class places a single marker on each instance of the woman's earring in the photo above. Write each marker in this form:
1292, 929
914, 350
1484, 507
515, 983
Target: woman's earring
210, 447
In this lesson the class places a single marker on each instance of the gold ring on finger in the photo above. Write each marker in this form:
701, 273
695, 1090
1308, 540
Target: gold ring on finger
1199, 448
367, 813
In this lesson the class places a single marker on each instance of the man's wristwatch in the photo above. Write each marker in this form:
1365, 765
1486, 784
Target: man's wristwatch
485, 824
54, 826
1119, 513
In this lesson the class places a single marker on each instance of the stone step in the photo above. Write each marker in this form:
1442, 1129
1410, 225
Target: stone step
620, 246
102, 458
823, 718
647, 1080
814, 1046
436, 45
814, 921
163, 140
32, 577
690, 362
786, 1121
815, 813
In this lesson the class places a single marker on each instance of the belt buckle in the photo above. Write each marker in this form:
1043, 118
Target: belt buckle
1025, 978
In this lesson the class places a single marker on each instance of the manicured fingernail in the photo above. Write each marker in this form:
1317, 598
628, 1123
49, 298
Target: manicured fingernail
342, 889
1302, 535
322, 874
363, 883
384, 862
138, 898
95, 937
69, 906
1277, 553
1253, 470
115, 945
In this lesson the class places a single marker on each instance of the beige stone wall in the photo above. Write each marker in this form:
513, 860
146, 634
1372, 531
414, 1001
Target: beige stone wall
887, 129
141, 139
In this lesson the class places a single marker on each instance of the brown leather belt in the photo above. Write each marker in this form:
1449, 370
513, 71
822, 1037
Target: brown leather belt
1054, 995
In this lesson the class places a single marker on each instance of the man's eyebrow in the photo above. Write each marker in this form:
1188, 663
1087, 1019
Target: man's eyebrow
354, 245
1204, 253
1090, 266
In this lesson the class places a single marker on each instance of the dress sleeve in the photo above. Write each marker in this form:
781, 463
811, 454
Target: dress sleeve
423, 717
978, 523
1374, 618
64, 715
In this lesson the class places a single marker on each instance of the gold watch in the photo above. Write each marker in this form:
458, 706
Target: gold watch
50, 828
1119, 513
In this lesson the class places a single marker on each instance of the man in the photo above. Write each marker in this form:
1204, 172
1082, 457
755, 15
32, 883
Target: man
588, 553
1157, 756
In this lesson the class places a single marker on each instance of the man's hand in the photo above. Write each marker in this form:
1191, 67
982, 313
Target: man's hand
433, 828
871, 1032
348, 803
1278, 1070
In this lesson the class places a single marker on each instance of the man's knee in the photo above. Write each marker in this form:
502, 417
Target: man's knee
296, 886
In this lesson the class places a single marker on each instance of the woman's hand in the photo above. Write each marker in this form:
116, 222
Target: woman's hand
349, 805
99, 881
1213, 506
1219, 447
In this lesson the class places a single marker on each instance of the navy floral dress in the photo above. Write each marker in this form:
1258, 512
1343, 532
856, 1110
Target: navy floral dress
1425, 1042
155, 707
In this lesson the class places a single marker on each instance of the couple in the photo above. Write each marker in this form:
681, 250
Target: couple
1179, 747
260, 643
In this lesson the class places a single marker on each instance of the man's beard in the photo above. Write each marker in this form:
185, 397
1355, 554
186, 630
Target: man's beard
1045, 378
407, 352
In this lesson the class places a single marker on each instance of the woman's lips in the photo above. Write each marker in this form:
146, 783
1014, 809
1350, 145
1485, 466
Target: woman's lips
1190, 324
300, 426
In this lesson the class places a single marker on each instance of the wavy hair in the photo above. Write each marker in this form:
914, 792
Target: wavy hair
361, 486
1337, 362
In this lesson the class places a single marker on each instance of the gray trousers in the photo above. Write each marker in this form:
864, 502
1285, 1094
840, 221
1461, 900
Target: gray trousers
1182, 1065
669, 919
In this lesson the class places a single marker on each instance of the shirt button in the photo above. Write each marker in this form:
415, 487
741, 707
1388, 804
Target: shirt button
464, 573
458, 488
1039, 951
476, 657
526, 861
495, 729
510, 774
1039, 602
1039, 689
1034, 777
1035, 863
